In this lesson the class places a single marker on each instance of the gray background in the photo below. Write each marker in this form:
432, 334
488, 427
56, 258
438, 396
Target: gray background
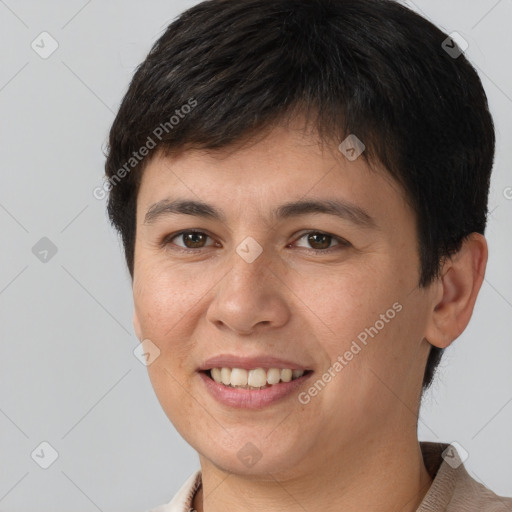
68, 375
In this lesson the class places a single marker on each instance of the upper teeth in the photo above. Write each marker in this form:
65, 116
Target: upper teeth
256, 378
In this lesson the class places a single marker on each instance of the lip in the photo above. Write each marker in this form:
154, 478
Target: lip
252, 398
249, 363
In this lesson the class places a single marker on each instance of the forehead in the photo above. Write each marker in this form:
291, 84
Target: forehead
283, 165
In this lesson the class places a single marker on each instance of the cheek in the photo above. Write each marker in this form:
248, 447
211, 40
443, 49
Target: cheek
344, 302
167, 311
165, 298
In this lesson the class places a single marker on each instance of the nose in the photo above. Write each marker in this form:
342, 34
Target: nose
251, 297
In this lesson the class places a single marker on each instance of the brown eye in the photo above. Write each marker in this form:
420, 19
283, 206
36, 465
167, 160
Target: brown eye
190, 239
195, 239
321, 242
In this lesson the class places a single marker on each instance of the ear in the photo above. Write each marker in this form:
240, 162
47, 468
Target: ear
136, 325
456, 291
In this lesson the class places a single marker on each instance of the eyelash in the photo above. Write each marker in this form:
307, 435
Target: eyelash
341, 242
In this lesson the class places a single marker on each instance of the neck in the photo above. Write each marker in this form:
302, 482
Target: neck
387, 478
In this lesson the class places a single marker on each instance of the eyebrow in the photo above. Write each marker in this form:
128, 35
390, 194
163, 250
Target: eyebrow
338, 208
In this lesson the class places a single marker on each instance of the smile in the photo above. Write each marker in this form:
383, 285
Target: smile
257, 378
255, 388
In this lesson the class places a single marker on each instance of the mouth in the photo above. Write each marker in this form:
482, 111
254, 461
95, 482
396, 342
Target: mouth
255, 378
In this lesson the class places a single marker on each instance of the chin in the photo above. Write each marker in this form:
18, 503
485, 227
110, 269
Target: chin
241, 456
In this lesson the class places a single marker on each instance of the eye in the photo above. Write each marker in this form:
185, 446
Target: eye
321, 242
195, 240
192, 239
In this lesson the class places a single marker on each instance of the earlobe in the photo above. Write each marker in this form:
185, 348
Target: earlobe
457, 289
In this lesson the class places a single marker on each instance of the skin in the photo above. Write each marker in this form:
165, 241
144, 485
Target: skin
338, 451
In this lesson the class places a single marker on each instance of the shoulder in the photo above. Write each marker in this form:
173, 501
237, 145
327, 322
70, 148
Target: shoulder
453, 489
470, 495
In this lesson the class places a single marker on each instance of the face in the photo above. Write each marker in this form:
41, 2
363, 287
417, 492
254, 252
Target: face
260, 286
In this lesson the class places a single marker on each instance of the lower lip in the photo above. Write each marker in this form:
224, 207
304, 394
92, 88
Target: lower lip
252, 398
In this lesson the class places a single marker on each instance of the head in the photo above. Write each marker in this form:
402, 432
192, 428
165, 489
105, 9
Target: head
243, 105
